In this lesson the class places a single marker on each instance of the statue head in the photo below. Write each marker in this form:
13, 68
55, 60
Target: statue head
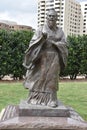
51, 18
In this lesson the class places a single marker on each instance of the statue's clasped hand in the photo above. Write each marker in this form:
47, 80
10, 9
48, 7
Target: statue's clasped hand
51, 41
44, 35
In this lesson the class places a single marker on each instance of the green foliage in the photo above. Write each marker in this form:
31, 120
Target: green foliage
12, 47
77, 58
14, 43
4, 53
83, 66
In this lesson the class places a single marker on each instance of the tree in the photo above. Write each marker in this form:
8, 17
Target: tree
74, 57
12, 47
4, 53
20, 41
83, 66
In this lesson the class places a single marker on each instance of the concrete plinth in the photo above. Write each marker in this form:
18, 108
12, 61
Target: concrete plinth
42, 123
12, 120
26, 109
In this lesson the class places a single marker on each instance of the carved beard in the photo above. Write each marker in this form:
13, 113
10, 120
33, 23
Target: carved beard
51, 23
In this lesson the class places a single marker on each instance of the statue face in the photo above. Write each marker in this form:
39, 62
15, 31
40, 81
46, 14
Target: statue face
51, 18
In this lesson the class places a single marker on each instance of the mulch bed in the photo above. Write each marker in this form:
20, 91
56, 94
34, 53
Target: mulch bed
61, 80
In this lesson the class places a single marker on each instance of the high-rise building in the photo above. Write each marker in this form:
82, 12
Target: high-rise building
45, 5
41, 12
72, 19
84, 17
69, 15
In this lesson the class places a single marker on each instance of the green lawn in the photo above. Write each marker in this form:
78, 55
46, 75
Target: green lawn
72, 94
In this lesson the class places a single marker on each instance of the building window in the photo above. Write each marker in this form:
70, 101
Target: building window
43, 6
84, 19
42, 1
84, 27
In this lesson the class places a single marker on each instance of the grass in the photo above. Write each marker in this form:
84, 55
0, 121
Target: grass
72, 94
11, 93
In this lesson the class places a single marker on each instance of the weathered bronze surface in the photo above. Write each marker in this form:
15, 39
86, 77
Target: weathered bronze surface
44, 59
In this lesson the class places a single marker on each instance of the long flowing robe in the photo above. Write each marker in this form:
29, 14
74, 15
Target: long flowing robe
44, 59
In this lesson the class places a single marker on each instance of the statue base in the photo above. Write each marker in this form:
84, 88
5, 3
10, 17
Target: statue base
26, 109
35, 117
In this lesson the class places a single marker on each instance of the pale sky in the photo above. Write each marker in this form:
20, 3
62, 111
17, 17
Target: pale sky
23, 12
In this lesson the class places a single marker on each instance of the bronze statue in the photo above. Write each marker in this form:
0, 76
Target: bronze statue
44, 59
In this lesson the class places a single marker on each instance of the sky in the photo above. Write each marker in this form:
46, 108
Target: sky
24, 12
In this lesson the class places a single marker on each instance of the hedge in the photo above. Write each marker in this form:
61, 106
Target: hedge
12, 50
12, 47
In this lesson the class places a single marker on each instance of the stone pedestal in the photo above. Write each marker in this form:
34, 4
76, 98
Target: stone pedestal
26, 109
42, 123
34, 117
